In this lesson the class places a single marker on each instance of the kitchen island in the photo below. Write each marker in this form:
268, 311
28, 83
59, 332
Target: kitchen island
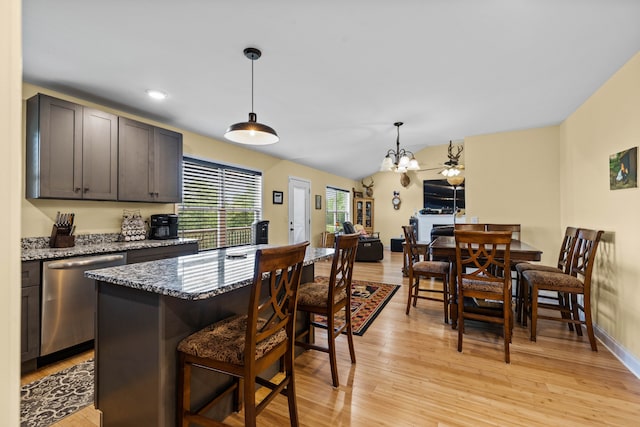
145, 309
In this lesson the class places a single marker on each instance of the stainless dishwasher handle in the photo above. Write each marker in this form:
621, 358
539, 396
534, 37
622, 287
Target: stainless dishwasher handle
85, 262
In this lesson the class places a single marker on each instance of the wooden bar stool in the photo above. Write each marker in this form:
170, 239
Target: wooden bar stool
478, 257
563, 266
243, 346
329, 299
426, 269
577, 282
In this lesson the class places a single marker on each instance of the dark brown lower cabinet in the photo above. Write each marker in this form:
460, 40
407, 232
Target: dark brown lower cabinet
30, 315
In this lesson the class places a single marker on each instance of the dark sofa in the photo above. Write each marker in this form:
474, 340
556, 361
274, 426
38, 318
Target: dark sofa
369, 248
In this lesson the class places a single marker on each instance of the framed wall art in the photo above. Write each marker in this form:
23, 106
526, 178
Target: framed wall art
277, 197
623, 169
318, 201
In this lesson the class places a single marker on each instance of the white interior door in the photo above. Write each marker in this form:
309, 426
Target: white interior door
299, 210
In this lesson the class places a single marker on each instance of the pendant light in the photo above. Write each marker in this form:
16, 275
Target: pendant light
252, 132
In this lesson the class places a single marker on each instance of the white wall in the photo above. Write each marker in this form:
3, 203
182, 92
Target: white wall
10, 176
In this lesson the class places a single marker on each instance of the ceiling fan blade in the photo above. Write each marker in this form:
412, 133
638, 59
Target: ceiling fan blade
430, 169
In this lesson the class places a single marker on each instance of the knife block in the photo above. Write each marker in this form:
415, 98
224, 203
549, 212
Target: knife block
60, 238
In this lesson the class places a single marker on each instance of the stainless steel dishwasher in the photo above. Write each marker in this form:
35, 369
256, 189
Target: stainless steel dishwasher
69, 301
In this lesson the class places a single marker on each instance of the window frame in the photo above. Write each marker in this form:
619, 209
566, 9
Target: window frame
338, 216
224, 194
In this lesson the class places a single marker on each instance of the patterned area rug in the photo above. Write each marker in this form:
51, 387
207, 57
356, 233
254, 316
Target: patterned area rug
49, 399
367, 301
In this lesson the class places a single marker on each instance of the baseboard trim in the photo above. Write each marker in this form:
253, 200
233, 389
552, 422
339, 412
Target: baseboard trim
623, 355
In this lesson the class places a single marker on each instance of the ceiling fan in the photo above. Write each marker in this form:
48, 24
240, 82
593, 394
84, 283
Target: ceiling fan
452, 167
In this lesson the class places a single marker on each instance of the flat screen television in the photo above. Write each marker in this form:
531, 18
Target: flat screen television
438, 197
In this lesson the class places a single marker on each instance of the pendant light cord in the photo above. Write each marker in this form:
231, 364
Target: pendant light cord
252, 61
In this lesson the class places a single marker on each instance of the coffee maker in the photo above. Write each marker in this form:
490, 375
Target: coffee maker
164, 226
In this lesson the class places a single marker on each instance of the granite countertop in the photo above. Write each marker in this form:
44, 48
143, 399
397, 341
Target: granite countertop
94, 247
195, 277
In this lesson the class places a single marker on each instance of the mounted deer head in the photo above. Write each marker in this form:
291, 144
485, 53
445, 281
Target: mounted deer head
369, 188
405, 180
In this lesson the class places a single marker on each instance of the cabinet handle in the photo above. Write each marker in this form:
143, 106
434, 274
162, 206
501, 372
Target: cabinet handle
86, 189
75, 190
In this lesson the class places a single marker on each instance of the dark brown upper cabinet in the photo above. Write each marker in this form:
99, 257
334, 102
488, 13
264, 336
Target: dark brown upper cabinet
72, 151
150, 163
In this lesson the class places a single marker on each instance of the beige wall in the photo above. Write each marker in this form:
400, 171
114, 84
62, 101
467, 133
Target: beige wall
10, 173
523, 190
608, 122
105, 217
512, 177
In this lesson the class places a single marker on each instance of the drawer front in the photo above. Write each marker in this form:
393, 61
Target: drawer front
30, 273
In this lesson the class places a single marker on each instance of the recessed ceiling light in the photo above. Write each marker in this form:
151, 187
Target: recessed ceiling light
156, 94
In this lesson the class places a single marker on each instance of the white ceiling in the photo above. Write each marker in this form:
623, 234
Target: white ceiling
334, 75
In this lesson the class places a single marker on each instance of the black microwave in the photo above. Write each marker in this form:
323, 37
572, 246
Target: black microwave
164, 226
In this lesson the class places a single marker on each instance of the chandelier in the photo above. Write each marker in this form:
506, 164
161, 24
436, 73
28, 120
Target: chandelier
399, 160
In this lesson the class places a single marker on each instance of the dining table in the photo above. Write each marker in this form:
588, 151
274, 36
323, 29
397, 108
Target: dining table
444, 248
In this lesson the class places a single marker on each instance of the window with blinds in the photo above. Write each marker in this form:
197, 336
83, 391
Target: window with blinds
338, 205
219, 203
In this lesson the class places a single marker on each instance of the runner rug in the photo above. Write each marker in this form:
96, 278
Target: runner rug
50, 399
367, 301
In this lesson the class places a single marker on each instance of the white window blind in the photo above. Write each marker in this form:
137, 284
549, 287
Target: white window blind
338, 207
219, 203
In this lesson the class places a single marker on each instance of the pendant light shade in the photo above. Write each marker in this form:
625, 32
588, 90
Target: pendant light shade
252, 132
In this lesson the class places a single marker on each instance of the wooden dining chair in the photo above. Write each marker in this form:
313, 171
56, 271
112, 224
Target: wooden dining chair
478, 256
513, 228
330, 300
577, 282
419, 267
245, 345
469, 227
563, 265
515, 235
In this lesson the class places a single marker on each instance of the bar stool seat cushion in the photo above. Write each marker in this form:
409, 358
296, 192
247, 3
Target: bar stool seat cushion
224, 341
431, 267
317, 293
525, 266
553, 281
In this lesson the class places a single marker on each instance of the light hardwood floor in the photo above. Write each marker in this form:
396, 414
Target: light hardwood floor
408, 373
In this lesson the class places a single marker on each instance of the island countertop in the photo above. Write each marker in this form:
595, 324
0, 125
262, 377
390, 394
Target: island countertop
195, 277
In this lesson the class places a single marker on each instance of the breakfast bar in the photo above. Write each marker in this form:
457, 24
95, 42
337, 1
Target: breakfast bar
145, 309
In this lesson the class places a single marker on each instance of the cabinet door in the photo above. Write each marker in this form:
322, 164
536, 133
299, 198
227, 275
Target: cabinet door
100, 155
30, 326
30, 311
135, 149
167, 166
368, 215
54, 149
